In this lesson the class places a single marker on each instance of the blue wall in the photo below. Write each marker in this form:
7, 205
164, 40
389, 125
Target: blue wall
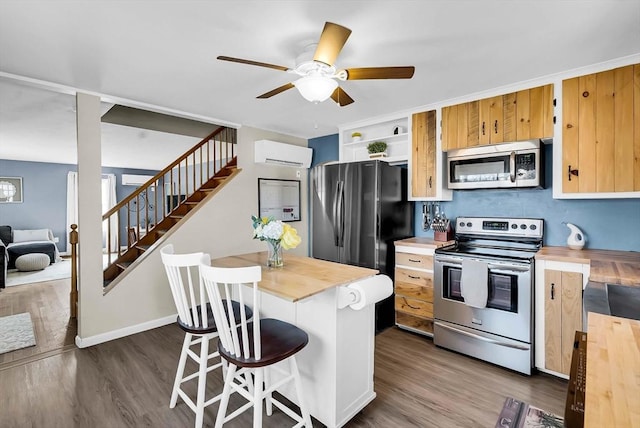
325, 149
612, 224
45, 195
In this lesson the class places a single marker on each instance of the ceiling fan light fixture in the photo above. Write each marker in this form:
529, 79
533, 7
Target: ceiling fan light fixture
316, 88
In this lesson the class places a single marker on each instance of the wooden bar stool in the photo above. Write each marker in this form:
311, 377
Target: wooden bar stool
196, 319
252, 347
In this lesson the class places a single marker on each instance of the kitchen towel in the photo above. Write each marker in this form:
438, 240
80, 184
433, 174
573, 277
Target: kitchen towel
474, 283
366, 292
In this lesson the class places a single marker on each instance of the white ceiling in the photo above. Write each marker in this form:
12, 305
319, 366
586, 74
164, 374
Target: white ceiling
163, 54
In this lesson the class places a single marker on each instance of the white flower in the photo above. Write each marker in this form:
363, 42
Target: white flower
272, 230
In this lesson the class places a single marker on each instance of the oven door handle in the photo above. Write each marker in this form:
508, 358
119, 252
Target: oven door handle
484, 339
511, 270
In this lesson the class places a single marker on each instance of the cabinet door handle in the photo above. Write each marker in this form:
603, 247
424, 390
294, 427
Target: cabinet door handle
482, 128
553, 291
430, 181
407, 303
495, 126
571, 172
413, 277
414, 261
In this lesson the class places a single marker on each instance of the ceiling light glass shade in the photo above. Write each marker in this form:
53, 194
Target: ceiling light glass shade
316, 88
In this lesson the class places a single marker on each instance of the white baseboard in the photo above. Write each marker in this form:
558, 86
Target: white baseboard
85, 342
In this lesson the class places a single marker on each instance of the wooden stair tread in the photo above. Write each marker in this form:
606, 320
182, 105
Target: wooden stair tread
123, 265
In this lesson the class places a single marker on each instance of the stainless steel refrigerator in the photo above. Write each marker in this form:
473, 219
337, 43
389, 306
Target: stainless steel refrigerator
357, 210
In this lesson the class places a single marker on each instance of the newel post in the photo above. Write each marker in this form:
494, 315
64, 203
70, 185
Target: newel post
73, 296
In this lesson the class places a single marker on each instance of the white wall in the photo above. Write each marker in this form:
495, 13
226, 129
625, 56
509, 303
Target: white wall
222, 227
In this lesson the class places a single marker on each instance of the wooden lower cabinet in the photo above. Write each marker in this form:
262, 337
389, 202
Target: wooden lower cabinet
563, 316
414, 292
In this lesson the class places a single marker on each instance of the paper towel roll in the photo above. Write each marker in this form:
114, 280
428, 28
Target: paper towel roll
371, 290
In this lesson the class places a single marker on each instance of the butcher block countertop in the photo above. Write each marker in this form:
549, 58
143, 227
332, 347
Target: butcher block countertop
423, 242
612, 396
609, 266
300, 277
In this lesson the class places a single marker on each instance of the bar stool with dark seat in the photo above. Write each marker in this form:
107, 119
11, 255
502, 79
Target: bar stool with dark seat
197, 321
252, 347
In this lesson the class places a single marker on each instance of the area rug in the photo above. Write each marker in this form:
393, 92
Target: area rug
16, 332
58, 270
518, 414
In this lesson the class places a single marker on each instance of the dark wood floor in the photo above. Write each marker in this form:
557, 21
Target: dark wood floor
127, 383
48, 304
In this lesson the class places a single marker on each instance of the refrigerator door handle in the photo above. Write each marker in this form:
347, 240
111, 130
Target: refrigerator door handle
340, 217
336, 213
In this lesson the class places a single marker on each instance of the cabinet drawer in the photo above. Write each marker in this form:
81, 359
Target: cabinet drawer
419, 292
414, 260
414, 323
414, 306
414, 277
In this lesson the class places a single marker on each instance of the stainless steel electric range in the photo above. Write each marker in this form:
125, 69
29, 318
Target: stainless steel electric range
483, 290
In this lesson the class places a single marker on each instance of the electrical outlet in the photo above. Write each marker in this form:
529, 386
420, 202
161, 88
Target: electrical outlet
56, 239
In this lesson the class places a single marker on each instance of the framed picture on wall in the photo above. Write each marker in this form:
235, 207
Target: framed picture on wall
11, 190
279, 199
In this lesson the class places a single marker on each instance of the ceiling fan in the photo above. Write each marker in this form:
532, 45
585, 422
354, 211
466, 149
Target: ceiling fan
319, 77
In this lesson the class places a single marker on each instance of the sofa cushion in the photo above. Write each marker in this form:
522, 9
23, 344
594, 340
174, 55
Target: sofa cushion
33, 261
5, 235
30, 235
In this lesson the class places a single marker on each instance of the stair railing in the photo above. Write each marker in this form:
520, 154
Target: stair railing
154, 201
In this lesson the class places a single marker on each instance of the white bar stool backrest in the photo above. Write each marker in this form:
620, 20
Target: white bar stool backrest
222, 285
186, 286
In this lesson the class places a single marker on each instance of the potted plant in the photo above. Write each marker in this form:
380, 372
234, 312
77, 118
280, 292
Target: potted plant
356, 136
377, 149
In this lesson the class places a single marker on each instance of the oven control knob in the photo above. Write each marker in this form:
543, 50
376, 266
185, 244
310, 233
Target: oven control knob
523, 226
514, 226
462, 224
533, 227
469, 224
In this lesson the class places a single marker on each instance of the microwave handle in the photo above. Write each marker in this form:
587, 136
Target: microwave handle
512, 166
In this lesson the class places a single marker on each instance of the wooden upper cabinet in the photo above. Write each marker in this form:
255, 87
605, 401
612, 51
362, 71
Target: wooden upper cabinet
449, 128
517, 116
423, 157
491, 120
601, 132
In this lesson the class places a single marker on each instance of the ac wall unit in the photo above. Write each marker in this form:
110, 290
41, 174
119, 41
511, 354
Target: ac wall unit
135, 179
274, 153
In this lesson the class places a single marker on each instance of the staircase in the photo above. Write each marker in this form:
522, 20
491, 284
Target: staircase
137, 224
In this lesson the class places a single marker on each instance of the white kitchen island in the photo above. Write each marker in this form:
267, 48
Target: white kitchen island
337, 364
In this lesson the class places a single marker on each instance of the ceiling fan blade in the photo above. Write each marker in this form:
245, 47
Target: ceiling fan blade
341, 97
276, 91
380, 73
247, 61
332, 40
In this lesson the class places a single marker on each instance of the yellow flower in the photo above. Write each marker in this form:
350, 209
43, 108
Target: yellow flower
265, 220
289, 238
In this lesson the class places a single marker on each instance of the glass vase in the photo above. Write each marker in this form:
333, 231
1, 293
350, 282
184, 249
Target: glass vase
274, 255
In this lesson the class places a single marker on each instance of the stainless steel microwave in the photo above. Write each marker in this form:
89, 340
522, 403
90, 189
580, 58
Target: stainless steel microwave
507, 165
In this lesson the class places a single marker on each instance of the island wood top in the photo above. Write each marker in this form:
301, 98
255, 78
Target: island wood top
612, 396
301, 277
615, 267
